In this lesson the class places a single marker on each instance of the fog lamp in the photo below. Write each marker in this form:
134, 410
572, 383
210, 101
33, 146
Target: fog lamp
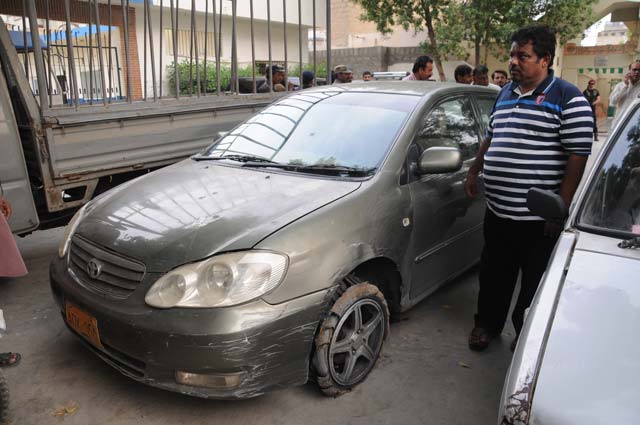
217, 381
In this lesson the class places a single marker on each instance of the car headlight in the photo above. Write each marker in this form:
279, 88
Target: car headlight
222, 280
63, 248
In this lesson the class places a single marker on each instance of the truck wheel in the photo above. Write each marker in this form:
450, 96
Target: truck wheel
4, 400
350, 338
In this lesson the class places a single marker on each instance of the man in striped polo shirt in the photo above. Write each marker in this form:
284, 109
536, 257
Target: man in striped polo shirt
539, 135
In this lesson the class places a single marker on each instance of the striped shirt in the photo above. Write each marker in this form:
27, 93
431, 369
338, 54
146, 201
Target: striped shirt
532, 135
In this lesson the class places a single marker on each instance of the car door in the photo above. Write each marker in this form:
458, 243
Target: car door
446, 234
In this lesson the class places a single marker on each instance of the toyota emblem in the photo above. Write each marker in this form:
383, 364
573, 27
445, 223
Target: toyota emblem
94, 268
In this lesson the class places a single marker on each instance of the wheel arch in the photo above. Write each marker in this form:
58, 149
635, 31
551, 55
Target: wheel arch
385, 274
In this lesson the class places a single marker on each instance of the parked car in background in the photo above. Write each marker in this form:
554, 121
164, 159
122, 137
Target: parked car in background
577, 357
389, 75
276, 253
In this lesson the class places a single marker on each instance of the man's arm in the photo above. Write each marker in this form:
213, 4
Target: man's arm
572, 174
471, 185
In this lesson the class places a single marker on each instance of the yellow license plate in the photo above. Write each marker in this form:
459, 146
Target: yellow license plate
83, 323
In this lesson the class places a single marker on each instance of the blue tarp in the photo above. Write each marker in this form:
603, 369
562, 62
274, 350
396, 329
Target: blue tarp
17, 38
79, 32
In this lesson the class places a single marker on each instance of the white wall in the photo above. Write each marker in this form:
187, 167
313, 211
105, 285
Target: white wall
260, 9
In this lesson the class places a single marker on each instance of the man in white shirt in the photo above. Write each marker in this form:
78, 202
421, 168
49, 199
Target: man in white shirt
422, 69
624, 93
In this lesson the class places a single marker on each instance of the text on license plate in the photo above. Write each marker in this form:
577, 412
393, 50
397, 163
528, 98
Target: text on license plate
83, 323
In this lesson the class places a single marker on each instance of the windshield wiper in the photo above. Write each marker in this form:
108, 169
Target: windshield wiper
338, 169
235, 157
630, 243
331, 170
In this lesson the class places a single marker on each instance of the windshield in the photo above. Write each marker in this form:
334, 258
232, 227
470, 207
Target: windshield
613, 202
330, 129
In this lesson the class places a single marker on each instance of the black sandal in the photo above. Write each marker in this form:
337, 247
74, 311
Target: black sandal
9, 359
479, 339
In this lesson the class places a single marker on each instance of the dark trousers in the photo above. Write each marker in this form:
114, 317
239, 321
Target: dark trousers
595, 124
510, 247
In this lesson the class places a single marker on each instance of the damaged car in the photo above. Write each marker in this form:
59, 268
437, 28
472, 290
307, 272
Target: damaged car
276, 255
577, 356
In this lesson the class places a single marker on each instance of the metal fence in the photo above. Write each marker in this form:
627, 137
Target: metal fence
103, 51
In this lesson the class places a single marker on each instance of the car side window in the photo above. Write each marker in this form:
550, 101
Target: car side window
485, 104
451, 123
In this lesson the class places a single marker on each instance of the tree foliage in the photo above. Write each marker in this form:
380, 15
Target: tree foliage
419, 15
452, 25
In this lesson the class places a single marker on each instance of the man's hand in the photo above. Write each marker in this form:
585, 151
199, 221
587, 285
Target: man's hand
5, 208
471, 184
552, 228
627, 78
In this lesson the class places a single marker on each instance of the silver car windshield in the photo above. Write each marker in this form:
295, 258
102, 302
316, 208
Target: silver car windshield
332, 128
613, 202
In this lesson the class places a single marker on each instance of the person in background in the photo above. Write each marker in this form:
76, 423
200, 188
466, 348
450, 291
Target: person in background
11, 264
499, 78
539, 135
277, 74
343, 74
367, 76
422, 69
308, 79
463, 74
625, 92
481, 77
593, 97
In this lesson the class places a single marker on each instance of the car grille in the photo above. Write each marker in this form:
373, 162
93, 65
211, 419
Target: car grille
118, 276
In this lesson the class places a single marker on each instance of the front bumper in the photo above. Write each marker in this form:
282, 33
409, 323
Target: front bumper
267, 345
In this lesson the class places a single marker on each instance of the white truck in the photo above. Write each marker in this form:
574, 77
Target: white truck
57, 153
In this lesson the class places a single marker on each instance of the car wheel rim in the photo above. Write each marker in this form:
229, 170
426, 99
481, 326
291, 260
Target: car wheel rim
356, 342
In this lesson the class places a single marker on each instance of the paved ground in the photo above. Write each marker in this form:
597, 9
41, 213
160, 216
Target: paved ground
426, 375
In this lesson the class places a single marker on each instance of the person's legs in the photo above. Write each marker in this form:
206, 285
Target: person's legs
497, 278
536, 253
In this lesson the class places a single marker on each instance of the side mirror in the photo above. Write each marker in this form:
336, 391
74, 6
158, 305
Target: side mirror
546, 204
439, 160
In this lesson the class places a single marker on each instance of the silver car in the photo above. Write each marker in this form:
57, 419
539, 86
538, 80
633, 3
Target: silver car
577, 357
276, 254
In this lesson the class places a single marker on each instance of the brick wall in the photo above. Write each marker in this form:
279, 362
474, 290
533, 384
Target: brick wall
373, 59
79, 13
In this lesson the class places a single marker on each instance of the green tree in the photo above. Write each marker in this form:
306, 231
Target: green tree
451, 25
491, 22
419, 15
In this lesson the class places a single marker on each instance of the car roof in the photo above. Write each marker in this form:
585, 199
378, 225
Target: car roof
415, 88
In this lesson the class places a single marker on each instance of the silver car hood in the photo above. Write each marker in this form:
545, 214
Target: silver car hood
192, 210
591, 365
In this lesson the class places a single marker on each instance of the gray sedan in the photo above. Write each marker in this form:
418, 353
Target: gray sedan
276, 254
577, 356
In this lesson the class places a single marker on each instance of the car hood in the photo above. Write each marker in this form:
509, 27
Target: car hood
191, 210
590, 368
